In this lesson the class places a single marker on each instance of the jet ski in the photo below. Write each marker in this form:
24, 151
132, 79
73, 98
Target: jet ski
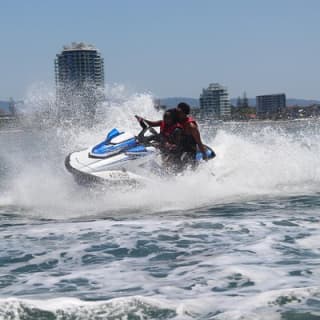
121, 158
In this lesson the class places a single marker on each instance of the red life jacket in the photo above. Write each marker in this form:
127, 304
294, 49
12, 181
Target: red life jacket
189, 119
167, 131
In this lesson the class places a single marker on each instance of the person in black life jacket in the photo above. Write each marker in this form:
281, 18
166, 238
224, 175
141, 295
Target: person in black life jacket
190, 138
170, 130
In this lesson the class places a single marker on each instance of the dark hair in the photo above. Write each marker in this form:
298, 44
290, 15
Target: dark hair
184, 107
173, 114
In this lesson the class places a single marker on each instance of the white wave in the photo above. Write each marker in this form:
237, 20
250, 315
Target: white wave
262, 306
260, 160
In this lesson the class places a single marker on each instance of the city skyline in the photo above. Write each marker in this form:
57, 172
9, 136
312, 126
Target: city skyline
168, 49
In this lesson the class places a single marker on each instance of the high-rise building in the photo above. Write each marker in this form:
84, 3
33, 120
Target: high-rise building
214, 101
8, 108
79, 74
270, 105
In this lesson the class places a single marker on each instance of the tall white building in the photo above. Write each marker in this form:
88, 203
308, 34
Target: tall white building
79, 73
214, 101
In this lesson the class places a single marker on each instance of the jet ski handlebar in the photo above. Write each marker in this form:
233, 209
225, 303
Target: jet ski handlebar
151, 139
143, 123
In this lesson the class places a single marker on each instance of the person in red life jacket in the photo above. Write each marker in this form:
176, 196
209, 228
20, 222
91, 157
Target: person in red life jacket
170, 130
190, 138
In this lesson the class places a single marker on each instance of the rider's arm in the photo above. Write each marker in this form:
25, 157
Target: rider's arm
149, 123
153, 123
196, 135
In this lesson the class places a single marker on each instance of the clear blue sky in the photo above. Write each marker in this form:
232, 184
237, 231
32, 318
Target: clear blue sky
168, 47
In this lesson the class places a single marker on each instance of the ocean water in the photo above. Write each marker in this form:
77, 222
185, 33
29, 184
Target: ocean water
236, 239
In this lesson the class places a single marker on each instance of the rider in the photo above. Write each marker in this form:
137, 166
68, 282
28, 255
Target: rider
170, 129
190, 138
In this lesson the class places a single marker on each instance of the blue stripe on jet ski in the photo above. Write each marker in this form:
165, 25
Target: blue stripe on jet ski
138, 148
103, 149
